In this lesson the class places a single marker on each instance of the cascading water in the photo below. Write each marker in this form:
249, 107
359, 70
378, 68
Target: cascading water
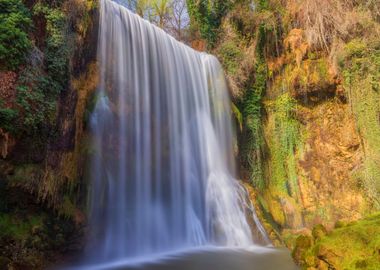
163, 168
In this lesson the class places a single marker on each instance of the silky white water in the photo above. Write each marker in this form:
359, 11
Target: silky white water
162, 172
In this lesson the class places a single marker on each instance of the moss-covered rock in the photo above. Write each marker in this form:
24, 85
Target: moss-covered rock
354, 246
319, 231
303, 243
340, 224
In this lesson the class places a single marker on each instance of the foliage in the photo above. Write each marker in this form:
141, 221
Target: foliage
14, 25
283, 140
170, 15
351, 246
39, 84
57, 50
230, 56
36, 99
361, 71
18, 228
238, 115
253, 124
8, 118
208, 16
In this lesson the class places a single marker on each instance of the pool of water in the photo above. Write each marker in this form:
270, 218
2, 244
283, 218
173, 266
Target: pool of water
254, 258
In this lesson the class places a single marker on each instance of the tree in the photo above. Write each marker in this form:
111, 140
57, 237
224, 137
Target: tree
179, 19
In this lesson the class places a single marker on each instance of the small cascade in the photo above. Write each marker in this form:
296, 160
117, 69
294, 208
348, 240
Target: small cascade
162, 172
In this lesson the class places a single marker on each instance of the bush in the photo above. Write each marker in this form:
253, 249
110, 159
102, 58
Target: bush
7, 119
57, 50
14, 24
208, 15
230, 56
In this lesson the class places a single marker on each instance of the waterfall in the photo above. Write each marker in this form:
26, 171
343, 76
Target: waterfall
162, 171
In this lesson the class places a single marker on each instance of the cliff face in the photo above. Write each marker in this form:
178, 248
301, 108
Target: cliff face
314, 149
304, 80
45, 98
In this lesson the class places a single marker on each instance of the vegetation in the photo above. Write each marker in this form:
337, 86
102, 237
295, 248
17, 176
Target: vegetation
284, 139
361, 70
170, 15
38, 41
15, 22
41, 79
230, 56
207, 16
8, 118
252, 110
303, 58
350, 246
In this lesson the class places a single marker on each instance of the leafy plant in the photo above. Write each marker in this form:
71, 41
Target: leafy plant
7, 119
14, 25
208, 15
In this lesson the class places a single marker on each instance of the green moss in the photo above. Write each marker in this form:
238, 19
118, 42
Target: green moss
361, 70
19, 227
284, 138
252, 112
24, 175
67, 209
355, 48
319, 231
230, 55
359, 241
238, 115
354, 246
311, 75
276, 211
302, 244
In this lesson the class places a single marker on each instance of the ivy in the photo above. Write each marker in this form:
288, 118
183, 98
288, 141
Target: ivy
252, 113
208, 16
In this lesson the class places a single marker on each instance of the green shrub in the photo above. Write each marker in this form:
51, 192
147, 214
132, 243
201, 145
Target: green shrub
14, 25
57, 51
208, 16
39, 86
8, 117
231, 56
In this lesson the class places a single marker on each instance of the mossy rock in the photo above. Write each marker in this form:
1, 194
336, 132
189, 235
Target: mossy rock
353, 246
303, 243
340, 224
319, 231
276, 212
328, 254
